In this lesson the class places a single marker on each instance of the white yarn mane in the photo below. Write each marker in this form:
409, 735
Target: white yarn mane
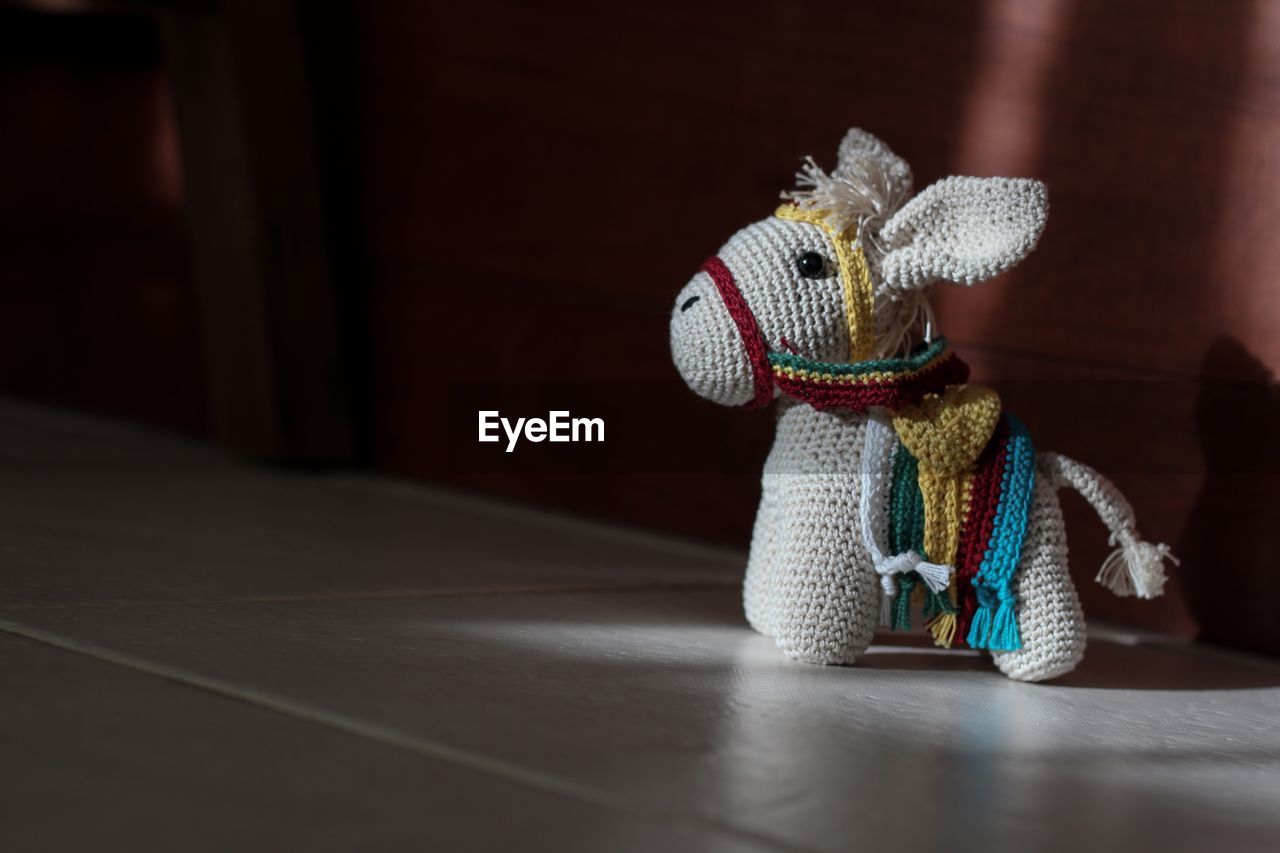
861, 193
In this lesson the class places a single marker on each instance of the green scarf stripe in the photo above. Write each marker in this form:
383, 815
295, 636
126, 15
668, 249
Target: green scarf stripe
902, 601
936, 603
912, 362
906, 529
906, 533
906, 505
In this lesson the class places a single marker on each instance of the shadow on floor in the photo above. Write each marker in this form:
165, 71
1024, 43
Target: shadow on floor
1106, 666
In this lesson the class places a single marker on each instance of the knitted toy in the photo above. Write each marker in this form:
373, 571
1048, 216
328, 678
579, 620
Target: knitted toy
893, 488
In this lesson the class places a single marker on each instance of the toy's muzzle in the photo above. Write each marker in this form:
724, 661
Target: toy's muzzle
748, 329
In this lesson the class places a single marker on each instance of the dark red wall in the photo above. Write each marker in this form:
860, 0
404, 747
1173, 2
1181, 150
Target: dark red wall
96, 307
515, 193
532, 186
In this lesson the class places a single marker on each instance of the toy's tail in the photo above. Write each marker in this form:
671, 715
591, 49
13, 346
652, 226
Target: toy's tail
1135, 567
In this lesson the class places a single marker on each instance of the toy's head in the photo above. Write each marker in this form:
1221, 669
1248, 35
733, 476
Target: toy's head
840, 272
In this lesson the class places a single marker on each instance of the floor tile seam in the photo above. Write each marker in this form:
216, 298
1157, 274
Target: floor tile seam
650, 585
543, 518
390, 737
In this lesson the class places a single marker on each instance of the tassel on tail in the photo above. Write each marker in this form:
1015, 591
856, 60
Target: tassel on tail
1135, 567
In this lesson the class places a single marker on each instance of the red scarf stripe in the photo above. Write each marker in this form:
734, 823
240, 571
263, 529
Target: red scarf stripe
887, 393
748, 330
979, 523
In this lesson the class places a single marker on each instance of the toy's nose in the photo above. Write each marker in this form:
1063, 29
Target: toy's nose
688, 303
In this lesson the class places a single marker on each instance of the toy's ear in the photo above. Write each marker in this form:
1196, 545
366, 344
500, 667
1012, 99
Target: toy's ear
859, 148
964, 230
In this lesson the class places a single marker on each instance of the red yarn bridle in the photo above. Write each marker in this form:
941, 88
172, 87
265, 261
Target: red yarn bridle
890, 383
748, 329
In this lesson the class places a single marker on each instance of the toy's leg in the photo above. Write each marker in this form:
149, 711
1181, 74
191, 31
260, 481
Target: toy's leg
762, 561
825, 597
1049, 616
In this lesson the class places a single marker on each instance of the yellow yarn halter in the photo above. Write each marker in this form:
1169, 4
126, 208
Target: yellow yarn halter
853, 273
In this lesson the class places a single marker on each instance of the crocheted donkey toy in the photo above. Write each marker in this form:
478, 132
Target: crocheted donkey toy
891, 482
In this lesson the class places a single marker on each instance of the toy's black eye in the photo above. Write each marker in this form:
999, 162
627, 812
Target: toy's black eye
812, 265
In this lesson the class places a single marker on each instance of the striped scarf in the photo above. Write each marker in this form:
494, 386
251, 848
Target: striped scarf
972, 521
947, 479
890, 383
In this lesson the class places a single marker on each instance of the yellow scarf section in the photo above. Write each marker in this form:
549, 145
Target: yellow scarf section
946, 433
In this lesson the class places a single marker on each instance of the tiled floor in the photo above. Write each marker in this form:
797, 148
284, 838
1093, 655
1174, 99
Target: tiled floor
198, 655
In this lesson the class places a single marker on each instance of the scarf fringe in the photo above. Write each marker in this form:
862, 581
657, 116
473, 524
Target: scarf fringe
1005, 636
902, 605
886, 610
943, 629
979, 628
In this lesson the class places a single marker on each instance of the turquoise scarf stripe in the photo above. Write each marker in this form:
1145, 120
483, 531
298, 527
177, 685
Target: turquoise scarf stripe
914, 361
995, 622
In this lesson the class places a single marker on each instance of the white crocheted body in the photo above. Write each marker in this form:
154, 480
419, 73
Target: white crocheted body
811, 582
